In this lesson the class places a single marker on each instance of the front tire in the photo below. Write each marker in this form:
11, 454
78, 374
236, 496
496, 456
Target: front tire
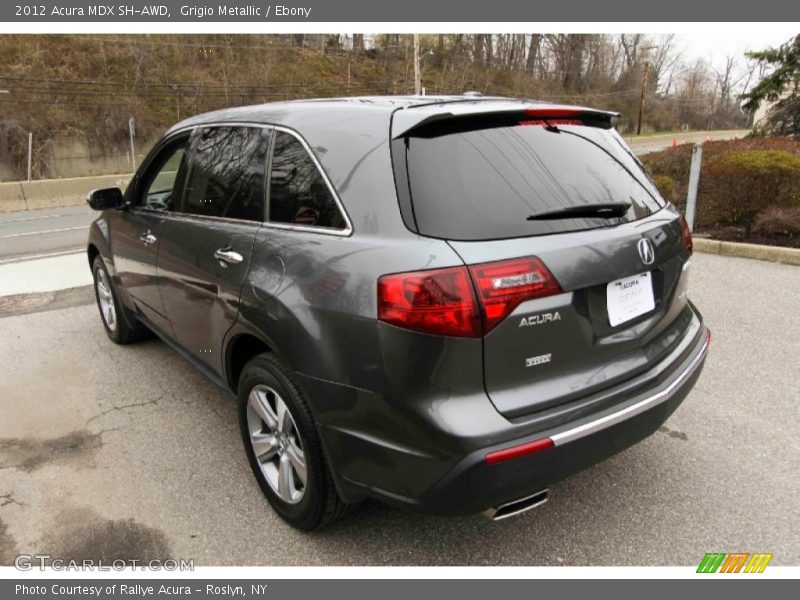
119, 323
283, 446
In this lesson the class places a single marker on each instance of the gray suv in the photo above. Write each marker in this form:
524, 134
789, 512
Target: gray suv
444, 303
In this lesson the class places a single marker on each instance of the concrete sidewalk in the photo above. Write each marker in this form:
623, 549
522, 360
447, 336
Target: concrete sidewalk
45, 274
780, 254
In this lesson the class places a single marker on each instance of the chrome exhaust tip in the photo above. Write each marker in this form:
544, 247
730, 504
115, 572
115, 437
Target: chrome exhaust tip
517, 507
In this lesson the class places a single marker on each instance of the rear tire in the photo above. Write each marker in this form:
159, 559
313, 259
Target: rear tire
120, 323
290, 468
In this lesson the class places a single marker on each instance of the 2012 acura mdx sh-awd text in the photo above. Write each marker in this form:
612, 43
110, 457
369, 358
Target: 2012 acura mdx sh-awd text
444, 303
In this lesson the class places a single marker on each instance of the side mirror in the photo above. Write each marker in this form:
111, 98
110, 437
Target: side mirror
106, 199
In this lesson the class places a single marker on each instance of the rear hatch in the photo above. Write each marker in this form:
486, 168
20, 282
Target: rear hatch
580, 265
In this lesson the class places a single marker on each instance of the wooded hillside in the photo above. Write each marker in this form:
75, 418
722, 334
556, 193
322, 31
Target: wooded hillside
90, 85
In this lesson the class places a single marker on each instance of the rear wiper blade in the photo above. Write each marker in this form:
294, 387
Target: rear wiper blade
607, 210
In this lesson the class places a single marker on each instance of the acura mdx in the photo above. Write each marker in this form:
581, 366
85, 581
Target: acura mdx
448, 304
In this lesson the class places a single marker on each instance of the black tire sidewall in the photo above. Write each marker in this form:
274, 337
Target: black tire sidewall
307, 513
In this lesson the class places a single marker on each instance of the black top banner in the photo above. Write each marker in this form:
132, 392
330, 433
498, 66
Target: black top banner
439, 11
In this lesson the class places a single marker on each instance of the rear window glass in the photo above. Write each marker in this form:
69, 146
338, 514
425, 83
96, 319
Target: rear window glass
481, 183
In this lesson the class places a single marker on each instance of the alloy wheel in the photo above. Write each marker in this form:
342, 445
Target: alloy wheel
106, 300
276, 444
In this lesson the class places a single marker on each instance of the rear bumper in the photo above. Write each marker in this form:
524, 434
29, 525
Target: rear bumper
473, 486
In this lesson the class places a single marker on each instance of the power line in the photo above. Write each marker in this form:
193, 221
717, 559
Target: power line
54, 102
147, 41
199, 94
174, 86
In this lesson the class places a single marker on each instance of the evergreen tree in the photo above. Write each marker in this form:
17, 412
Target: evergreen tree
780, 87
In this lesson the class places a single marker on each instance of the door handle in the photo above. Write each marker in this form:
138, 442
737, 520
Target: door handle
147, 238
225, 254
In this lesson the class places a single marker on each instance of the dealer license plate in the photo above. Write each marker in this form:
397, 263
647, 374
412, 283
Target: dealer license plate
629, 297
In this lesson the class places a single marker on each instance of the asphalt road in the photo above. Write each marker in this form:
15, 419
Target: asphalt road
652, 143
37, 232
129, 451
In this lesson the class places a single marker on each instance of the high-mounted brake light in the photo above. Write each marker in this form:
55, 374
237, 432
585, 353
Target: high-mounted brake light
687, 235
552, 116
554, 113
439, 301
504, 285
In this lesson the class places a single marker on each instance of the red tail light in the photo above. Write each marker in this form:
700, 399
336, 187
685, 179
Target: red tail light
440, 301
687, 235
503, 285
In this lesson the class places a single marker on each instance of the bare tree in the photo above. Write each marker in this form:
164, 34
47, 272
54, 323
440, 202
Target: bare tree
534, 49
663, 57
631, 44
727, 79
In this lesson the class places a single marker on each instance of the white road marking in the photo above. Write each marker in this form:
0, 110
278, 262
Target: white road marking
15, 259
30, 219
13, 235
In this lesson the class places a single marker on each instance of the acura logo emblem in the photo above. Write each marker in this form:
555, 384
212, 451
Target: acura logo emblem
646, 252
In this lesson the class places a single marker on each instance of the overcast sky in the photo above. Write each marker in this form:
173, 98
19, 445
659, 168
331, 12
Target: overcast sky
714, 47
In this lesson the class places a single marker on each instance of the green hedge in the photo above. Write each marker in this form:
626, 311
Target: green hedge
739, 179
740, 185
779, 221
666, 185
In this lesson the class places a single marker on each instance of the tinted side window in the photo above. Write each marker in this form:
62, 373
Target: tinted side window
164, 178
228, 172
298, 194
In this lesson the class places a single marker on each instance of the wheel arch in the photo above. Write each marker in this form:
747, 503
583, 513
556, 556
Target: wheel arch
92, 252
99, 244
240, 349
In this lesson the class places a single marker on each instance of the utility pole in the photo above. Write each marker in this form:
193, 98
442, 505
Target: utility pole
641, 100
132, 131
177, 91
417, 80
30, 153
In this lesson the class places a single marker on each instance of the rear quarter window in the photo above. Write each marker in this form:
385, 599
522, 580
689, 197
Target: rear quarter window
298, 193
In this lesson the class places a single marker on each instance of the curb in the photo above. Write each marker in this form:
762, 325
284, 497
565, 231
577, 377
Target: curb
22, 304
779, 254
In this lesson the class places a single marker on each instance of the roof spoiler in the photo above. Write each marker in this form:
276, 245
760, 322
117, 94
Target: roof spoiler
406, 121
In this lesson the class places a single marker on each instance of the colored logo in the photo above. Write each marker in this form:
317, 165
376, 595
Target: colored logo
737, 562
